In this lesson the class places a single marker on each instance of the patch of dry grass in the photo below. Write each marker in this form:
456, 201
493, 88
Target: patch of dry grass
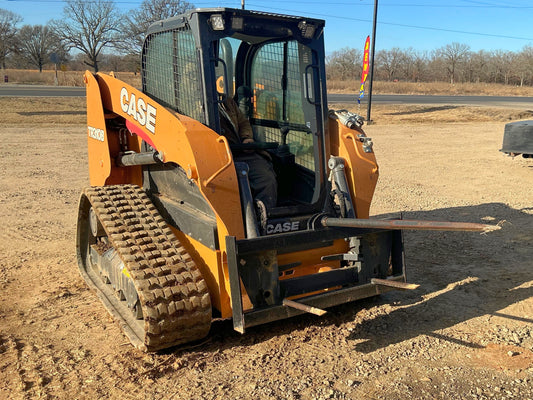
48, 111
64, 78
75, 78
432, 88
385, 114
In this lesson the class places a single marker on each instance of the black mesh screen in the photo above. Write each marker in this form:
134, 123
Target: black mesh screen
171, 72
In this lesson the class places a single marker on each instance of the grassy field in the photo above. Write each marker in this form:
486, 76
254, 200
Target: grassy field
47, 111
71, 111
435, 88
64, 78
75, 78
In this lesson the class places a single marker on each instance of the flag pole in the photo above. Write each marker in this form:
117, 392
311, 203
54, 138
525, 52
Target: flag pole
368, 119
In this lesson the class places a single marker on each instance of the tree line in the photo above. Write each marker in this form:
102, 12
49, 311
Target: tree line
90, 33
454, 63
96, 34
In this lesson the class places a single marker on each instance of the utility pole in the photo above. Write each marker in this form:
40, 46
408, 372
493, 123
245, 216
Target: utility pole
242, 4
368, 119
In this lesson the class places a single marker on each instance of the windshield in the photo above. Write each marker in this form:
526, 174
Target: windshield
277, 92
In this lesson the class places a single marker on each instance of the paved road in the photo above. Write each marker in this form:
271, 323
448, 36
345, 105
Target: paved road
499, 101
11, 90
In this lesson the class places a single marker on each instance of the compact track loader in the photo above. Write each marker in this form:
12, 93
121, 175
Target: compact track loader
168, 232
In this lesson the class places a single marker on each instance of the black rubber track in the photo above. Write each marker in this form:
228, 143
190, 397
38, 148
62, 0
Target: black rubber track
173, 294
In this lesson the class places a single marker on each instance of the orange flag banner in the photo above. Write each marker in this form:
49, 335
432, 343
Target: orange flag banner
366, 67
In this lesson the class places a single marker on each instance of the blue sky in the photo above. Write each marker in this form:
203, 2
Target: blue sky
423, 25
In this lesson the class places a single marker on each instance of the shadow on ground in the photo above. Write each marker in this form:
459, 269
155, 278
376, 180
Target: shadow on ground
425, 110
36, 113
463, 275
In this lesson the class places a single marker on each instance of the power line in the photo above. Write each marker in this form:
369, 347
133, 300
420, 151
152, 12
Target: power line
406, 5
406, 26
63, 1
429, 28
336, 3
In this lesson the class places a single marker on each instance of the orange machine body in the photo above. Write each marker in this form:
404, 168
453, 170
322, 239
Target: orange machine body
208, 161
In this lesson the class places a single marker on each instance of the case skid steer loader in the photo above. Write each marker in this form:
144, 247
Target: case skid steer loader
168, 233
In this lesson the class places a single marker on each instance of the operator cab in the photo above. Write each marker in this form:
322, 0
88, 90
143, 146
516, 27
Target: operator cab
265, 80
273, 67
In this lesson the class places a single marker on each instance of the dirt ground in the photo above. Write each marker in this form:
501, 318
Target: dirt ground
466, 333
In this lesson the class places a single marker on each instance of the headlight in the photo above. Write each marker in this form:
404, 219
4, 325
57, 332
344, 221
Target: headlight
307, 29
217, 22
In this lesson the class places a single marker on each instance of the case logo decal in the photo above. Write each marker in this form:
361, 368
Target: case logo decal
141, 111
283, 227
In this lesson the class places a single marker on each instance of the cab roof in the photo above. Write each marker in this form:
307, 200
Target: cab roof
185, 18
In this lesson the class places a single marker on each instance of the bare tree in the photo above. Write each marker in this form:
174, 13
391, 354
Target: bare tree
390, 62
476, 66
345, 64
36, 43
89, 26
500, 66
417, 64
8, 32
150, 11
452, 56
523, 68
